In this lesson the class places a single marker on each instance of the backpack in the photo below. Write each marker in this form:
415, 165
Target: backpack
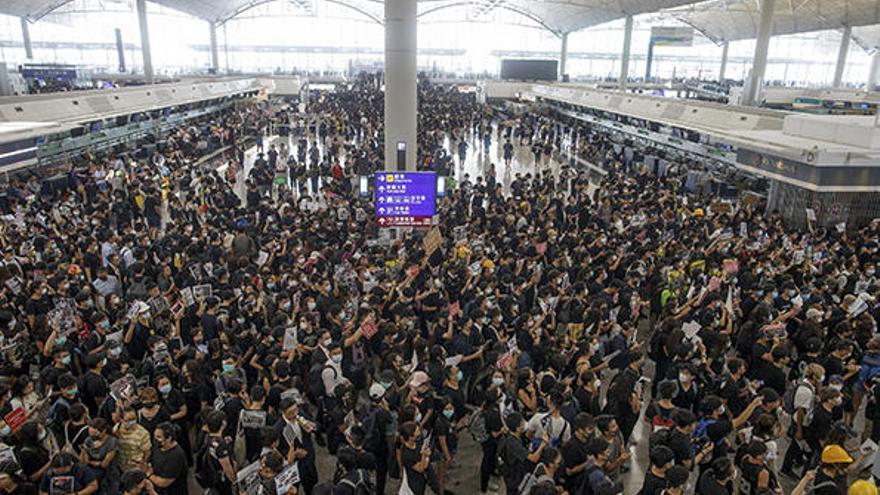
788, 397
504, 467
531, 479
316, 381
68, 446
138, 290
373, 437
359, 486
655, 345
208, 472
477, 426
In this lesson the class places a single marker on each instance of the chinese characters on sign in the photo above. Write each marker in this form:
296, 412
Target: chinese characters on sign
405, 199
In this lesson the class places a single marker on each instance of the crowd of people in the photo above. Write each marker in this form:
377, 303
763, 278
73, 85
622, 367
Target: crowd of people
163, 320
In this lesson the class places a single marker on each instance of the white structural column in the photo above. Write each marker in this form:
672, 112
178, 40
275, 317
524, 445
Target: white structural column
723, 71
624, 57
215, 57
563, 56
759, 61
26, 38
401, 99
145, 41
841, 56
873, 71
120, 50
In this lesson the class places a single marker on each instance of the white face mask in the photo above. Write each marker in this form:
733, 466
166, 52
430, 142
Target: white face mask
337, 358
498, 381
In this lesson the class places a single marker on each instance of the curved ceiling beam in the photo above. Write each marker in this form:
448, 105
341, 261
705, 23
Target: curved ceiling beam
502, 5
373, 17
47, 10
257, 3
715, 39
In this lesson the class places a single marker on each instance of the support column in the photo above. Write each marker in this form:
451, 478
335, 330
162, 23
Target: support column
624, 57
723, 71
563, 56
26, 38
759, 61
841, 56
401, 99
226, 48
120, 50
873, 71
215, 57
145, 40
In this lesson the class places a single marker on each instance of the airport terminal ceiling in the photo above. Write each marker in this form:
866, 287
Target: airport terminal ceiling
720, 20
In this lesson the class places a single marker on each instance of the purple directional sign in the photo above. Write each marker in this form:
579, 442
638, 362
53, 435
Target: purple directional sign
405, 198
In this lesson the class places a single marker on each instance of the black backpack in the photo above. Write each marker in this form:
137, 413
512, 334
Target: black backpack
208, 471
373, 438
358, 482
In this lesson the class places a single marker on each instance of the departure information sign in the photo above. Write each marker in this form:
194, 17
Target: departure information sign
405, 199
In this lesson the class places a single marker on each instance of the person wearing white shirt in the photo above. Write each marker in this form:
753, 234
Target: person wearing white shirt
552, 423
106, 284
332, 372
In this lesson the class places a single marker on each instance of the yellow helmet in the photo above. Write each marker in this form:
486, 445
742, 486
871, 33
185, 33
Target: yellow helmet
698, 212
862, 487
834, 454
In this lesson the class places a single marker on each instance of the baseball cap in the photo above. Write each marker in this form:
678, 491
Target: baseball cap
376, 391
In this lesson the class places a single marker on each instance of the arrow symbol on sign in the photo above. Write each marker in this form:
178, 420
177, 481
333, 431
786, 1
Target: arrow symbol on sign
381, 210
381, 199
381, 188
382, 178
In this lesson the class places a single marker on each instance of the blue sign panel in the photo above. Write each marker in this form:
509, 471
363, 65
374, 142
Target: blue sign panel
405, 199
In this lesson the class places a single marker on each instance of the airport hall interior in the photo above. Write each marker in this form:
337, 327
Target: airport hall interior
439, 247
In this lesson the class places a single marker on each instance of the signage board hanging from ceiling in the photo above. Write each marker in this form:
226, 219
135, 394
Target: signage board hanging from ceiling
405, 199
672, 35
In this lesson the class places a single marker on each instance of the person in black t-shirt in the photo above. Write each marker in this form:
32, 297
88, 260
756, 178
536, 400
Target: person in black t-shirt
93, 386
576, 453
661, 458
494, 426
415, 458
518, 460
676, 480
831, 476
13, 484
718, 479
168, 461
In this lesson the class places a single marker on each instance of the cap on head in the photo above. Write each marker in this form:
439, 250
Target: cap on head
377, 391
834, 454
